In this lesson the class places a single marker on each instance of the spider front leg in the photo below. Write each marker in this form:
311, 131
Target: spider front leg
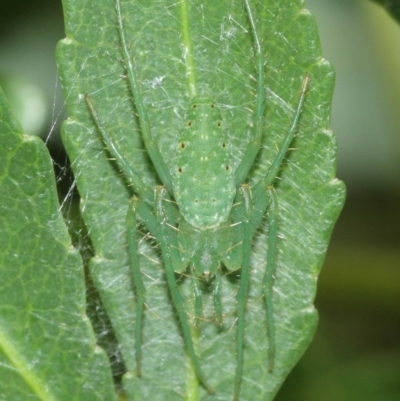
151, 145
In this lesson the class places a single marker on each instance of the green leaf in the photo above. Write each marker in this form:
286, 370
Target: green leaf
47, 347
310, 198
392, 7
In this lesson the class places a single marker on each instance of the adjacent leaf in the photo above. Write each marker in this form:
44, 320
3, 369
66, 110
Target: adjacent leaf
392, 7
309, 196
47, 347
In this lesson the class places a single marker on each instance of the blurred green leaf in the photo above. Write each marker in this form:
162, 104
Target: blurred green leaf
47, 347
27, 101
309, 196
392, 7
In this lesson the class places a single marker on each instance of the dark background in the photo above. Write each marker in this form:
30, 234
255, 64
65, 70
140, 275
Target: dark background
356, 351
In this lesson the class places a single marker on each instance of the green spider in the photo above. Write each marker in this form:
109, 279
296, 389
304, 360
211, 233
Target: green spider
205, 214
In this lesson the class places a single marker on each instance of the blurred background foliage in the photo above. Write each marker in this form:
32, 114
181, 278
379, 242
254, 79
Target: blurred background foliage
392, 6
356, 352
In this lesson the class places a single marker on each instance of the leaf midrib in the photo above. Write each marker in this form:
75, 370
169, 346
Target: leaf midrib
21, 366
188, 49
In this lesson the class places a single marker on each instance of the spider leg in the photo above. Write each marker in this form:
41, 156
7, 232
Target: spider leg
255, 143
276, 163
137, 278
269, 274
151, 145
264, 196
144, 192
241, 295
130, 173
177, 299
138, 207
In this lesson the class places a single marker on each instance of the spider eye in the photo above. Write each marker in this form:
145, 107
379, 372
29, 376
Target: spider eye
189, 124
219, 124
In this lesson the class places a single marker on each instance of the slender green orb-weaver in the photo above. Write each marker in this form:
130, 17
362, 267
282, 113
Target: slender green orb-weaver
205, 213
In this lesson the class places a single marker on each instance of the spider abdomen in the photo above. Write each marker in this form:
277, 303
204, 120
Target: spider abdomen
203, 177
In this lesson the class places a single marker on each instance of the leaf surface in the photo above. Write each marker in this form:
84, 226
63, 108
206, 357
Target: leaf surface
310, 198
47, 346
